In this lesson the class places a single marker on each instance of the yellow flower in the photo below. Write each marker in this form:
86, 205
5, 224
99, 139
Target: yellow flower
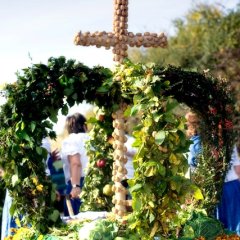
39, 187
18, 222
34, 192
8, 238
35, 180
40, 237
13, 230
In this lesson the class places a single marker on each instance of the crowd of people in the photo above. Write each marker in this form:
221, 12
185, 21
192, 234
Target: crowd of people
74, 159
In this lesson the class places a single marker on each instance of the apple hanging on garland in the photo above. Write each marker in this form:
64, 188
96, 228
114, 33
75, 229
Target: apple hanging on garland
110, 140
107, 190
101, 163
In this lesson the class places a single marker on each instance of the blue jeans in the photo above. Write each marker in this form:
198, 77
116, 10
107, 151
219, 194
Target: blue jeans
76, 202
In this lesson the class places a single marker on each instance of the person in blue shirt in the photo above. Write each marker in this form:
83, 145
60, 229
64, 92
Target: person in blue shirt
193, 134
228, 210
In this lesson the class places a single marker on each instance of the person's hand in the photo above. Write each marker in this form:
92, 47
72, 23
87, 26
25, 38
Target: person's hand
58, 196
75, 192
55, 155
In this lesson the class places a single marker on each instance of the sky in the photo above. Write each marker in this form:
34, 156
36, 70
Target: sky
31, 31
45, 28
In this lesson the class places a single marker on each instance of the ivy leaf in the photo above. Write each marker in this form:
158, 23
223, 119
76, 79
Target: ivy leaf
127, 112
137, 99
53, 193
135, 109
64, 110
47, 124
22, 125
135, 187
17, 126
161, 170
33, 126
14, 150
136, 204
151, 218
161, 187
150, 171
14, 179
166, 83
141, 152
39, 150
53, 118
157, 117
92, 120
171, 104
198, 194
174, 159
44, 153
148, 122
137, 143
103, 89
25, 136
160, 137
75, 96
12, 209
181, 126
151, 204
68, 91
169, 117
54, 215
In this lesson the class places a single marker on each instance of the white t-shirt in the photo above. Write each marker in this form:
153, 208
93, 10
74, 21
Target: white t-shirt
235, 160
131, 151
73, 144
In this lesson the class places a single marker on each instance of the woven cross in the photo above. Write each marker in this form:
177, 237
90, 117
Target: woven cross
120, 38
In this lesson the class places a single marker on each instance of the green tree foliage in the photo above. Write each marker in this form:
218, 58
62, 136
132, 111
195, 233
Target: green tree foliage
207, 38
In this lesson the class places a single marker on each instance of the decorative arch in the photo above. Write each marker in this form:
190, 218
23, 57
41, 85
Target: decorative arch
41, 90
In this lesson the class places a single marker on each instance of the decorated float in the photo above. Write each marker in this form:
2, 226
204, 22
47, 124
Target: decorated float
165, 204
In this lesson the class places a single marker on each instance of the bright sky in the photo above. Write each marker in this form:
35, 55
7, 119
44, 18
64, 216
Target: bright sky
45, 28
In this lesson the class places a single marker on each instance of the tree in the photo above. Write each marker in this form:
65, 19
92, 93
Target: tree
208, 37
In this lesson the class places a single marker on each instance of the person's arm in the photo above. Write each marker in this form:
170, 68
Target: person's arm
75, 171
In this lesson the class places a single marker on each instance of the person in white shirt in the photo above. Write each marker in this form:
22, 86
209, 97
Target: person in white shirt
231, 174
74, 158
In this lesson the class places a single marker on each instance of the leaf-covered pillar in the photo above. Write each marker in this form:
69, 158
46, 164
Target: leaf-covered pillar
120, 159
119, 40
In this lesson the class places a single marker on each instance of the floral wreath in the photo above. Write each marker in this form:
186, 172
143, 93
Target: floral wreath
150, 90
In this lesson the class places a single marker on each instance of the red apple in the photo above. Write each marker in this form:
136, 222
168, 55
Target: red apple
101, 163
